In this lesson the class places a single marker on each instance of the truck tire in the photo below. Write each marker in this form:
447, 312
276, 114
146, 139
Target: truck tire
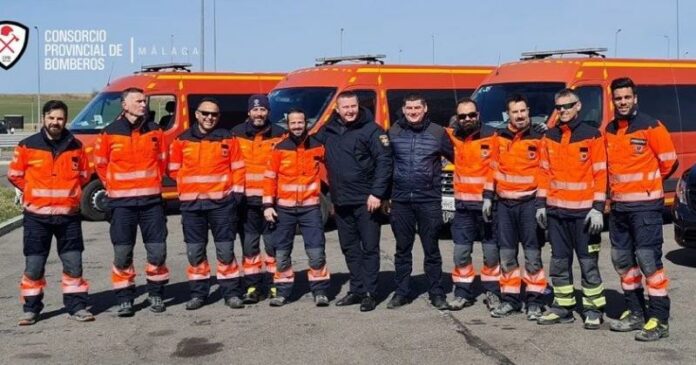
93, 201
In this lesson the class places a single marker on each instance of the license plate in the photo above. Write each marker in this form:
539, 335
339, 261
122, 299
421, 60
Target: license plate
448, 203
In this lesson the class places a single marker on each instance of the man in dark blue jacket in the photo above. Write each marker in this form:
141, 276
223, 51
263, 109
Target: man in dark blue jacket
359, 164
418, 146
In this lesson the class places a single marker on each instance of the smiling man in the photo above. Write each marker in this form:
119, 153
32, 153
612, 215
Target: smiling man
640, 155
416, 199
520, 186
292, 186
256, 136
472, 149
50, 168
359, 166
573, 157
208, 166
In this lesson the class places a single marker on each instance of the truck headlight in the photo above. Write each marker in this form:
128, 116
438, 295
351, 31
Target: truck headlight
681, 191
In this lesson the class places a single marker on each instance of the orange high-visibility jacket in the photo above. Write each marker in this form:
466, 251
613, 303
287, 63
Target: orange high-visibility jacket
51, 177
256, 145
292, 176
206, 166
574, 158
131, 161
640, 154
516, 163
472, 170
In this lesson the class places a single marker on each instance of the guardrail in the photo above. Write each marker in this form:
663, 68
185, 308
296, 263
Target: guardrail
11, 140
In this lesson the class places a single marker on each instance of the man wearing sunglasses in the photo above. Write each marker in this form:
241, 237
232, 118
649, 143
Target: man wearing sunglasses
208, 166
472, 154
574, 159
520, 186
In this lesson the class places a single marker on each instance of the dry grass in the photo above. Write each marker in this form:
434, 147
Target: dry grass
8, 208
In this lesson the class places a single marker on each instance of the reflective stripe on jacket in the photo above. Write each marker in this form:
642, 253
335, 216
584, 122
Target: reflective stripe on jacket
574, 159
292, 176
50, 174
256, 146
131, 162
640, 154
208, 168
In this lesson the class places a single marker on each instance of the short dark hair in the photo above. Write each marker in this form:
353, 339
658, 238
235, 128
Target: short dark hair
295, 110
467, 100
621, 83
55, 105
209, 99
515, 98
130, 90
414, 97
346, 94
566, 92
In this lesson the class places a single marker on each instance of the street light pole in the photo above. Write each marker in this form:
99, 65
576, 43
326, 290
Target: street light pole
677, 29
340, 43
433, 39
214, 37
616, 42
202, 35
38, 78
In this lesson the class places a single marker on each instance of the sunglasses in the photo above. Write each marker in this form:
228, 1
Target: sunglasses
565, 106
471, 115
208, 114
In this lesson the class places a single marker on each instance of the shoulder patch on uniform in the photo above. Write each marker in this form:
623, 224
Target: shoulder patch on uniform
384, 139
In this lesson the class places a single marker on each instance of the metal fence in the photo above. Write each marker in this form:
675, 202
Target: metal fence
11, 140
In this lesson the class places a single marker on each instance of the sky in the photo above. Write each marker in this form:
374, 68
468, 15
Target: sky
285, 35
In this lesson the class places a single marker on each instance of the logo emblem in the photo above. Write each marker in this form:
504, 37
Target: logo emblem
485, 152
531, 152
584, 153
225, 150
384, 139
638, 145
13, 42
75, 163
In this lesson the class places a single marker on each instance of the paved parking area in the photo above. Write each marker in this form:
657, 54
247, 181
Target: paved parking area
302, 333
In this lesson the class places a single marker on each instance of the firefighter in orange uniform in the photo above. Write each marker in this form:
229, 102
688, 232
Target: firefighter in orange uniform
291, 198
256, 136
521, 190
472, 154
50, 168
640, 155
573, 157
209, 170
130, 157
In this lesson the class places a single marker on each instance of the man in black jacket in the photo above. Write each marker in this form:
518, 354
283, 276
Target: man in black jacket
419, 146
359, 163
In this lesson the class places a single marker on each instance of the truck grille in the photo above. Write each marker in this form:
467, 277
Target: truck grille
447, 183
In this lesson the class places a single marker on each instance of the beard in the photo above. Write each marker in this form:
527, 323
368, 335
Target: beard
466, 129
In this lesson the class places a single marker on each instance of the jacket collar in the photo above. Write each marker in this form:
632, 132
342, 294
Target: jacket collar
59, 145
251, 130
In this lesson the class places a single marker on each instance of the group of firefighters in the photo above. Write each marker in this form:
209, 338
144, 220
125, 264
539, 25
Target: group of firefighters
260, 180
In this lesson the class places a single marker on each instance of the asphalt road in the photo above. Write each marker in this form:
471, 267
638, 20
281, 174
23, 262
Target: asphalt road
302, 333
